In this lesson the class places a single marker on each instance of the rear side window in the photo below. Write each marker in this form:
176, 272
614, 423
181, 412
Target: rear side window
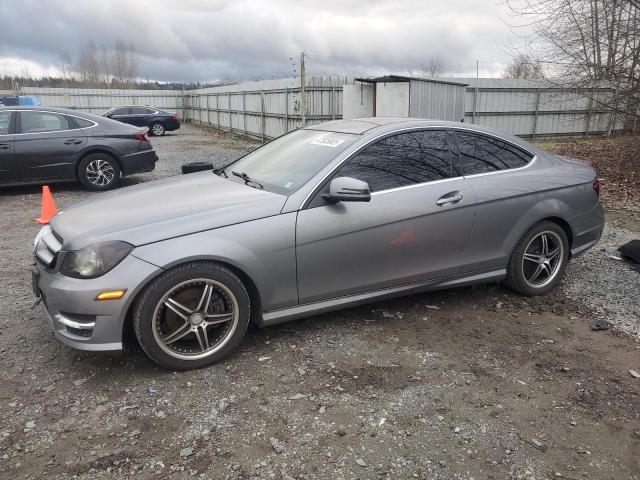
481, 154
138, 111
5, 121
81, 122
401, 160
36, 122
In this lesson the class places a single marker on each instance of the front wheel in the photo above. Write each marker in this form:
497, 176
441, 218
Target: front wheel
99, 172
157, 129
192, 315
539, 259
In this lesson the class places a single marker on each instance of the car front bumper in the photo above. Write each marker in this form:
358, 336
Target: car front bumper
76, 317
139, 162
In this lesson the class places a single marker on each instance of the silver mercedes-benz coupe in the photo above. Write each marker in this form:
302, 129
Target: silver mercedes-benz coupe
322, 218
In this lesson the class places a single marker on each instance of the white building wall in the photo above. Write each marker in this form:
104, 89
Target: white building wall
392, 99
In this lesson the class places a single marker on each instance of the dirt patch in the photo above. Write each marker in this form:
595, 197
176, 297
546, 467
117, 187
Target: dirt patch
468, 383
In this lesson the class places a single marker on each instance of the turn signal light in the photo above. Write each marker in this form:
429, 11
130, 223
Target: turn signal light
111, 295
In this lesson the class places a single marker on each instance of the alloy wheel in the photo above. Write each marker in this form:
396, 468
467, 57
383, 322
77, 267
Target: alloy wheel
542, 259
157, 129
100, 172
195, 319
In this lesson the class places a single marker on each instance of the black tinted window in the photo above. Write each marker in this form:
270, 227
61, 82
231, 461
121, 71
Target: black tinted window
5, 119
121, 111
34, 122
400, 160
81, 122
138, 111
480, 154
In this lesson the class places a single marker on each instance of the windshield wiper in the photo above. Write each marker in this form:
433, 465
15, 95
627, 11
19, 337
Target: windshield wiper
247, 179
219, 171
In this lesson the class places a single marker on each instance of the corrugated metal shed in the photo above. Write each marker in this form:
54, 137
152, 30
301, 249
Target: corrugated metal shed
427, 97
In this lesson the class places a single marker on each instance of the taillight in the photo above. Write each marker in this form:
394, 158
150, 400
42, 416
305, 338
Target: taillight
596, 186
141, 136
174, 116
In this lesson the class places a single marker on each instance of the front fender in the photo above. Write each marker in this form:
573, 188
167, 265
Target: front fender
264, 250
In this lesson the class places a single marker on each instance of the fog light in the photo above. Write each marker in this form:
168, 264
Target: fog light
111, 295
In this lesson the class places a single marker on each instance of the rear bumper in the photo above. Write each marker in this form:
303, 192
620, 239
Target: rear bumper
587, 229
72, 312
139, 162
171, 124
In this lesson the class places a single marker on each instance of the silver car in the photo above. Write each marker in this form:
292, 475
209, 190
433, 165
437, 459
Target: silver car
322, 218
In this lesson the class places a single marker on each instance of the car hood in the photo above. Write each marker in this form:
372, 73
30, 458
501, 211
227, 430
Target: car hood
163, 209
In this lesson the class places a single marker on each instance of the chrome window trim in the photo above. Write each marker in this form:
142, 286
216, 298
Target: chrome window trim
314, 190
95, 124
416, 185
531, 162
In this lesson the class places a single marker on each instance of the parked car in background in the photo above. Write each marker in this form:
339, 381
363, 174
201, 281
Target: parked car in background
157, 120
325, 217
44, 145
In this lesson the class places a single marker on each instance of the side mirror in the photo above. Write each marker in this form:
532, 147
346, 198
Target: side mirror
347, 189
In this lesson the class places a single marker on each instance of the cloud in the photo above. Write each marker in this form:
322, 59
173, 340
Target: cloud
219, 39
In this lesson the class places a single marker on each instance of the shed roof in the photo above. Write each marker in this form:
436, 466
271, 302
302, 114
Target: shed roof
402, 78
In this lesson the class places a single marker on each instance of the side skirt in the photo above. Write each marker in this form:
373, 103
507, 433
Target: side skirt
274, 317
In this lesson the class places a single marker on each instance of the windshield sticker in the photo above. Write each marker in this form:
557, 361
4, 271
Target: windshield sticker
327, 142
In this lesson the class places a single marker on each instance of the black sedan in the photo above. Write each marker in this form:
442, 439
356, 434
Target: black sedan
157, 120
44, 145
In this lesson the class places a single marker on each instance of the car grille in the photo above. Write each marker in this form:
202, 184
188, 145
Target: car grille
47, 248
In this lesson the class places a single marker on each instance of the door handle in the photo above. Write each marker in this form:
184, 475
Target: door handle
451, 197
4, 146
73, 142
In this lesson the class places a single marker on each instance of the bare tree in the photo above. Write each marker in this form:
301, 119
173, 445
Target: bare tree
88, 65
523, 66
64, 64
588, 44
432, 68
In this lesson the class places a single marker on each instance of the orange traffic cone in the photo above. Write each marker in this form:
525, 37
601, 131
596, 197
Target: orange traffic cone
48, 206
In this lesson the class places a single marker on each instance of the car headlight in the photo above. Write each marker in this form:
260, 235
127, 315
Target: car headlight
94, 260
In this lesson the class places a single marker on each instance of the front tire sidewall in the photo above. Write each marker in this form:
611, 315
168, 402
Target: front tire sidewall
515, 274
159, 127
143, 318
84, 179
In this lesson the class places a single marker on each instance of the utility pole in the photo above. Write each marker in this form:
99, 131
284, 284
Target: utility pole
303, 93
477, 68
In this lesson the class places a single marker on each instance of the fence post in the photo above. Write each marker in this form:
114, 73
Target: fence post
535, 114
262, 115
612, 121
475, 104
208, 111
286, 109
218, 109
333, 102
244, 112
184, 117
587, 120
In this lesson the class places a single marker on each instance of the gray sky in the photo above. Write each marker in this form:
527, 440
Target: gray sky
201, 40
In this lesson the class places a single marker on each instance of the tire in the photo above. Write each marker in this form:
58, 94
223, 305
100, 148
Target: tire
157, 129
174, 312
531, 271
99, 172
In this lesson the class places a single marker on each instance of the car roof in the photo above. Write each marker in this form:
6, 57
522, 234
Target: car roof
380, 125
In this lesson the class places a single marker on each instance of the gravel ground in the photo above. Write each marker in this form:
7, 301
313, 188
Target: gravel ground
472, 383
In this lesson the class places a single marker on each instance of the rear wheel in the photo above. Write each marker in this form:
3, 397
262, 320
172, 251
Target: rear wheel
157, 129
192, 315
99, 171
539, 260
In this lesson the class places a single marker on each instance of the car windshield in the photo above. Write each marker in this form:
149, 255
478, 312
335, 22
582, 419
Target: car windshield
288, 162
